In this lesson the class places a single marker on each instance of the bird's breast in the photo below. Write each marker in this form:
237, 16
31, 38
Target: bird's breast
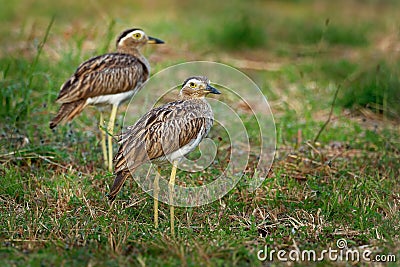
186, 149
112, 99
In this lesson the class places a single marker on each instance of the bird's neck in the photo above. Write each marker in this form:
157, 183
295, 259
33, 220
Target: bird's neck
129, 50
183, 96
136, 53
187, 93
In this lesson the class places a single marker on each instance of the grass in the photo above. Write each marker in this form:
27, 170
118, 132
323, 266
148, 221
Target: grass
237, 33
376, 88
53, 209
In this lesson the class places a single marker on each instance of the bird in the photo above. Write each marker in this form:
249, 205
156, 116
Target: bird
108, 79
165, 134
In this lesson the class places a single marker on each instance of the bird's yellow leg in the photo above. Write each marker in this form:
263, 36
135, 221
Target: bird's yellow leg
171, 196
110, 130
156, 190
103, 139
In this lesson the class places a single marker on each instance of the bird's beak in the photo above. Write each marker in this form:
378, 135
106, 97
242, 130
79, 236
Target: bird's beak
153, 40
212, 90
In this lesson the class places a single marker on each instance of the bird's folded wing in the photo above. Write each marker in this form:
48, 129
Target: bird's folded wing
158, 133
107, 74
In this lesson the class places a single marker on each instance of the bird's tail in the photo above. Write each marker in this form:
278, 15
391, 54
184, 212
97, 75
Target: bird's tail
67, 111
118, 183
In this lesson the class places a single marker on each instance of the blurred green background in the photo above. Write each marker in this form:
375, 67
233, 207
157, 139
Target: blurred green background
323, 41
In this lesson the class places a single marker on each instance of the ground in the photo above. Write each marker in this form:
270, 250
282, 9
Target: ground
335, 174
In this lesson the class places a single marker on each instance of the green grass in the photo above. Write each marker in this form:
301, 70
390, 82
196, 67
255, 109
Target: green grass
312, 32
376, 88
53, 208
237, 33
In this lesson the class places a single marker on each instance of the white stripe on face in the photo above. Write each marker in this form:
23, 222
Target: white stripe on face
198, 83
132, 35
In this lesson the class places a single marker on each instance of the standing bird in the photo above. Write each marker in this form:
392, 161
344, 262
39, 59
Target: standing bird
107, 79
168, 132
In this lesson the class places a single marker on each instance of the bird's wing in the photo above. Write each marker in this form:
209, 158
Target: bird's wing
160, 132
107, 74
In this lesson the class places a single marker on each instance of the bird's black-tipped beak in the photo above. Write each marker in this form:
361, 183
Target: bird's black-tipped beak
153, 40
212, 90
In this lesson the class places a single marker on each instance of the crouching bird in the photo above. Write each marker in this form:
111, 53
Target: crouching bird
107, 79
165, 133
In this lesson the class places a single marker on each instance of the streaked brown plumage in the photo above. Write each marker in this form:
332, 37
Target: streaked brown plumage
106, 79
166, 132
105, 75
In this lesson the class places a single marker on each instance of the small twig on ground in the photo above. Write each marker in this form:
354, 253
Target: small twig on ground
329, 117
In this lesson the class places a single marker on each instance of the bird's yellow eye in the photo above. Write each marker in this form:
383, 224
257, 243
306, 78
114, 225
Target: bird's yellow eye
192, 85
137, 35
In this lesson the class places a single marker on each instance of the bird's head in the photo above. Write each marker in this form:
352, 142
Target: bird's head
197, 87
135, 38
